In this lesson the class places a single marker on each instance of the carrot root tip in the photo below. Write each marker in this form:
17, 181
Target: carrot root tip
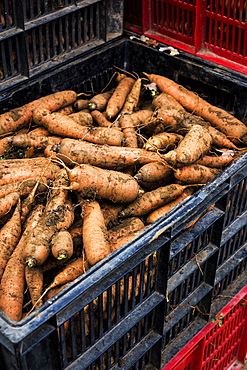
31, 262
62, 255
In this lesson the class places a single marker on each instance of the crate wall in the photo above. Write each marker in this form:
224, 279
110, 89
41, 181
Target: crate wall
166, 275
213, 30
36, 35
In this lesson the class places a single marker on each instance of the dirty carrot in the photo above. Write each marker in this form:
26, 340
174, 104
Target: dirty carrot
82, 118
163, 210
7, 202
100, 101
94, 233
101, 119
81, 104
220, 140
117, 100
35, 284
17, 118
13, 279
24, 187
110, 211
164, 140
105, 156
152, 200
216, 161
125, 227
62, 245
154, 174
233, 128
9, 237
196, 143
36, 141
196, 174
94, 182
64, 126
12, 174
133, 97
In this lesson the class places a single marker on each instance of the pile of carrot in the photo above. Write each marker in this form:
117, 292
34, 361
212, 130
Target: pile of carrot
81, 177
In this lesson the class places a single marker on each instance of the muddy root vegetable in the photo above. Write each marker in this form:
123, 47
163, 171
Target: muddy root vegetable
164, 140
64, 126
7, 202
105, 156
154, 174
117, 100
195, 144
17, 118
94, 182
10, 234
196, 174
62, 245
13, 279
233, 128
94, 233
152, 200
163, 210
35, 284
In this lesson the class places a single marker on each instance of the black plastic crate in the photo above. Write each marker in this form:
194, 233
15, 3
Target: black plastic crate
173, 270
39, 35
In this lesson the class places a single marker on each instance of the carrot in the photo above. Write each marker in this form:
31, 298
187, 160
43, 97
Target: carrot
58, 214
233, 128
7, 202
62, 245
163, 210
196, 143
94, 182
220, 140
81, 104
164, 140
71, 271
34, 280
94, 233
13, 278
5, 144
152, 200
133, 97
12, 174
69, 109
123, 240
9, 237
196, 174
21, 162
24, 187
28, 202
125, 227
111, 157
101, 119
100, 101
82, 118
17, 118
110, 211
216, 161
53, 142
129, 132
117, 100
36, 141
37, 131
154, 174
61, 125
163, 99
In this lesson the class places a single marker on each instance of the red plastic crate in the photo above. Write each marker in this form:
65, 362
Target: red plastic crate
215, 30
221, 344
